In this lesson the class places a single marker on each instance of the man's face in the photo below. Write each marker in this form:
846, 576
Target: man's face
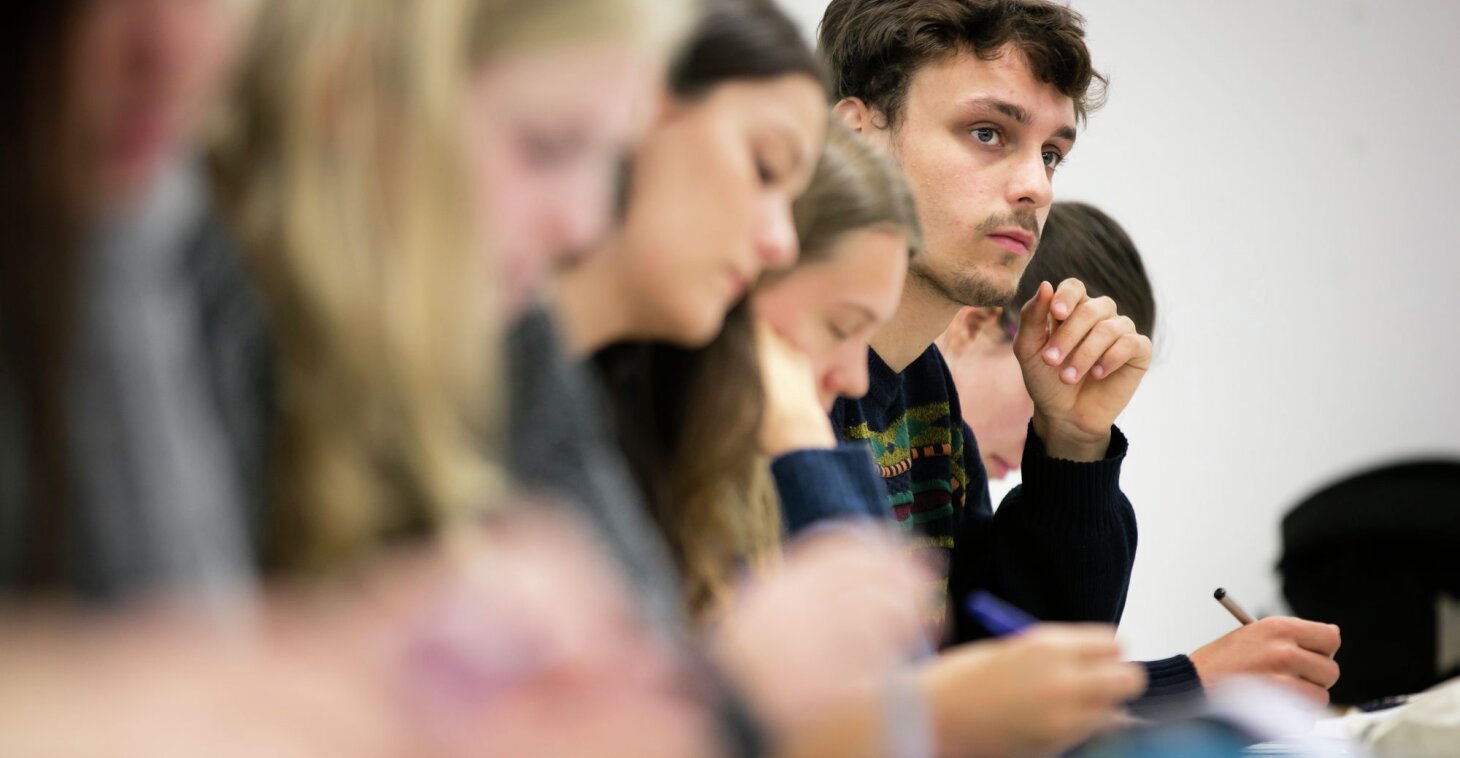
979, 142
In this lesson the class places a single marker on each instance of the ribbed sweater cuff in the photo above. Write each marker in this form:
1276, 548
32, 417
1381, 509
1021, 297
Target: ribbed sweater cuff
1171, 684
1085, 496
815, 485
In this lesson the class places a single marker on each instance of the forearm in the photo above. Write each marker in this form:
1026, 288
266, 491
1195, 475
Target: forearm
1060, 547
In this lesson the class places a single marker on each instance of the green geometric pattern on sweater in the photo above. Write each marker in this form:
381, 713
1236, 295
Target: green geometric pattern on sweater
922, 426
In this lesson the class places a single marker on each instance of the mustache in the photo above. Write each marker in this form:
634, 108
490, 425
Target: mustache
1029, 222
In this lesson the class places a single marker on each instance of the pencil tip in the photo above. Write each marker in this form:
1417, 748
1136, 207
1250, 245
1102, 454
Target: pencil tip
1219, 594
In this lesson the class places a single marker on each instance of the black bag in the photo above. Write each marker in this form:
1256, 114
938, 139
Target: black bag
1379, 555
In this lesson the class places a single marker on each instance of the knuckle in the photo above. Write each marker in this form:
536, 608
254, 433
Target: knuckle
1281, 626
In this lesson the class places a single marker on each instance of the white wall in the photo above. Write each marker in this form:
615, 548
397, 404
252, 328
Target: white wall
1289, 170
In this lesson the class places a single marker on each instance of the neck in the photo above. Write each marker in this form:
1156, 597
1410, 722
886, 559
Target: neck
589, 304
922, 315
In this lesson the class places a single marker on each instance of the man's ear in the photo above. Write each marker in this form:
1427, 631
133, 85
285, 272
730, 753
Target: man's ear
979, 319
855, 114
966, 327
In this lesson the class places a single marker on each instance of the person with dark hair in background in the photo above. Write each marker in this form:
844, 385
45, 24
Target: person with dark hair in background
979, 101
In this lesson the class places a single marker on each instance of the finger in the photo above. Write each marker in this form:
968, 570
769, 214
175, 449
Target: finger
1323, 638
1303, 687
1067, 298
1319, 637
1087, 642
1317, 669
1034, 323
1076, 328
1101, 341
1132, 350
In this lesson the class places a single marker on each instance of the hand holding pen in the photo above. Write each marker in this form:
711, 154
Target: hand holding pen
1288, 651
1037, 690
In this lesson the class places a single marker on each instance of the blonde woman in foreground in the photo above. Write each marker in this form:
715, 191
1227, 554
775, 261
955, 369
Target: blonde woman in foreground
341, 169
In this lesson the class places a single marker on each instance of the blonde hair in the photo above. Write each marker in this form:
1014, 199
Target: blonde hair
341, 168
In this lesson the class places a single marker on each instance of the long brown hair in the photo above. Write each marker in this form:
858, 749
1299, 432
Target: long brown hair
41, 220
690, 420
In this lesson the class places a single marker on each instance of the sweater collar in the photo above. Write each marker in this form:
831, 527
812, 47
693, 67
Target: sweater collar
884, 384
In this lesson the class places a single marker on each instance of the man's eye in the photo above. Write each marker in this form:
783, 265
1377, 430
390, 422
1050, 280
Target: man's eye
1053, 159
987, 135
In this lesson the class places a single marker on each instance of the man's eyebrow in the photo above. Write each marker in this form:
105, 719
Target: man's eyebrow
1066, 133
1005, 107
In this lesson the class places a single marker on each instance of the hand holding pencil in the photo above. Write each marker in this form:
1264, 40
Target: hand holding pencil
1288, 651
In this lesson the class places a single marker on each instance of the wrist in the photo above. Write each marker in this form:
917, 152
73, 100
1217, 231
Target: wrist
1067, 442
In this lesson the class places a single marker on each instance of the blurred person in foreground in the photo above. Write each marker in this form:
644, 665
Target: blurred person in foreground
374, 96
119, 481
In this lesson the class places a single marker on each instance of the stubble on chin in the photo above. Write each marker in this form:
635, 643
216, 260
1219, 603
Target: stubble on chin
971, 285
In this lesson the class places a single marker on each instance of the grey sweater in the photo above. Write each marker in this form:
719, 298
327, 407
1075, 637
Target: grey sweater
166, 398
560, 443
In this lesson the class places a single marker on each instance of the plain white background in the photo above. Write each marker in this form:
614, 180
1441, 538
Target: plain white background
1288, 169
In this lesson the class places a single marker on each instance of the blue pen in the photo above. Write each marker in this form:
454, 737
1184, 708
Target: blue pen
997, 616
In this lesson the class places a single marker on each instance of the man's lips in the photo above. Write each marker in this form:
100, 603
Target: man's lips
1013, 240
